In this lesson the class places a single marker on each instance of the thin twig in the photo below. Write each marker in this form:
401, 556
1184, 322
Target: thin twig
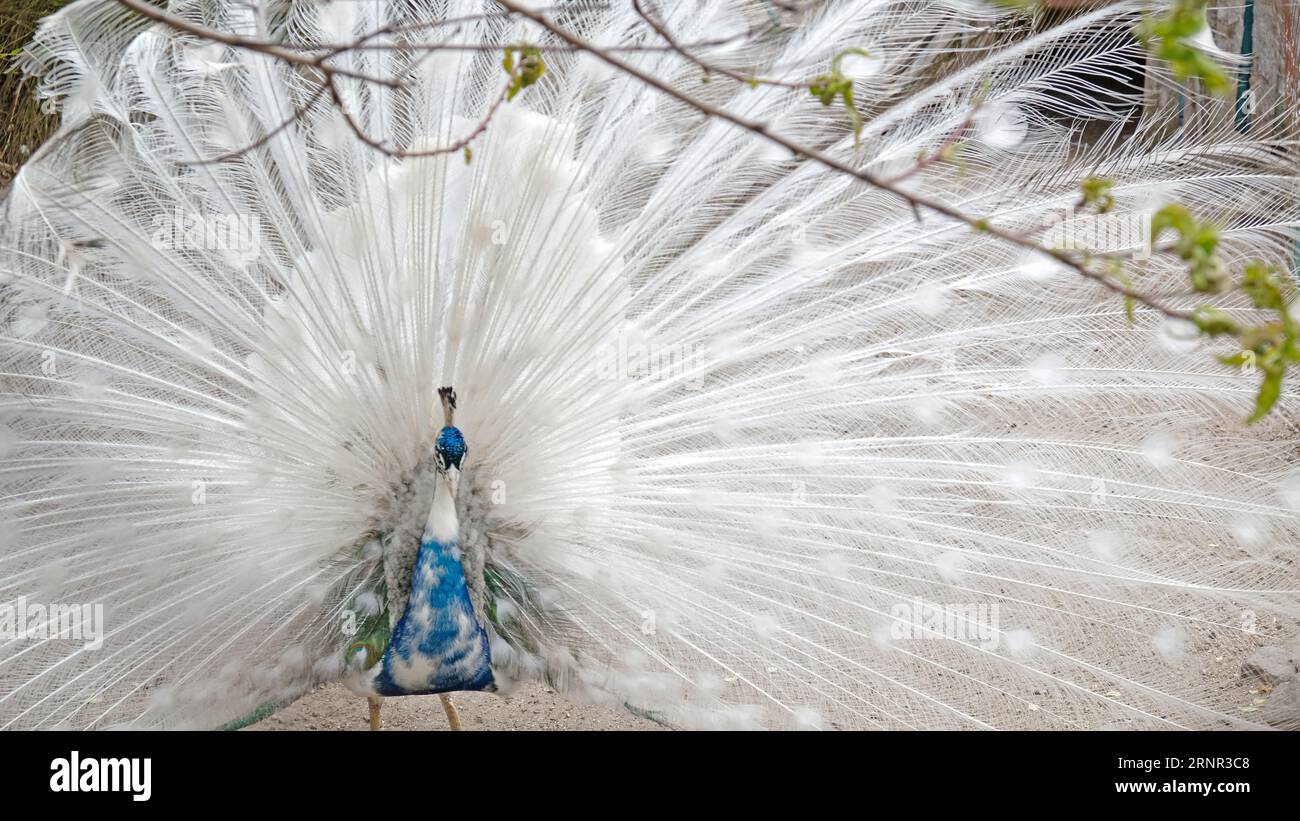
276, 50
298, 114
329, 75
458, 145
339, 48
937, 155
706, 66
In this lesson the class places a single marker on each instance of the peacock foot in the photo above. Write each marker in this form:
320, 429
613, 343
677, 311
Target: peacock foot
453, 717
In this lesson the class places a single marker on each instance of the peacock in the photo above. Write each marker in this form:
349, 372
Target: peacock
754, 444
437, 644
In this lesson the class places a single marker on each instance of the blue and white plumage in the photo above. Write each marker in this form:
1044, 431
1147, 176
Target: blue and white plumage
437, 644
735, 418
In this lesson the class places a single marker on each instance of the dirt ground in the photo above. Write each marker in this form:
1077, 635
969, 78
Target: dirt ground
534, 707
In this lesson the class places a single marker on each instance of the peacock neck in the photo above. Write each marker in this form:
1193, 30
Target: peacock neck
442, 526
440, 543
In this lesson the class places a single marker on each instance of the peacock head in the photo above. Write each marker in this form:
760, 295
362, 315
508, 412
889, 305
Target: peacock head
450, 449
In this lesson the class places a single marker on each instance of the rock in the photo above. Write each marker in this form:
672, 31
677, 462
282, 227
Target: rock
1282, 710
1271, 665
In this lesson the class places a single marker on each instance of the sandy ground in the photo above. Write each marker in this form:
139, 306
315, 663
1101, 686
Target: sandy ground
535, 707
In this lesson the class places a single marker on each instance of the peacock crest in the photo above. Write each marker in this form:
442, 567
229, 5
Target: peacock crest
450, 448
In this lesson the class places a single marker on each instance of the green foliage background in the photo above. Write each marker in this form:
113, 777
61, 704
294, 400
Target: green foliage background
21, 121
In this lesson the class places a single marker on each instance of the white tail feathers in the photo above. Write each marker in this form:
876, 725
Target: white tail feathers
753, 445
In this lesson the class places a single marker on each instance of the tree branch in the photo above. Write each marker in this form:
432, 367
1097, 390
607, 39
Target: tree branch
317, 60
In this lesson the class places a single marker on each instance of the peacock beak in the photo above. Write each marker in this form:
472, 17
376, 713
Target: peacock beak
452, 479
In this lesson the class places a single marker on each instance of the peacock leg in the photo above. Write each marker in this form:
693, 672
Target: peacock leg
453, 717
375, 704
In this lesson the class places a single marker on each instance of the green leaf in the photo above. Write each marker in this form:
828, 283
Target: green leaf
528, 70
1269, 391
838, 60
1196, 244
1167, 37
827, 87
1213, 321
1097, 194
1263, 287
1130, 304
1236, 360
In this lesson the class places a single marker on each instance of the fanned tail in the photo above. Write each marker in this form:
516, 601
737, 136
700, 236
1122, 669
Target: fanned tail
754, 444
